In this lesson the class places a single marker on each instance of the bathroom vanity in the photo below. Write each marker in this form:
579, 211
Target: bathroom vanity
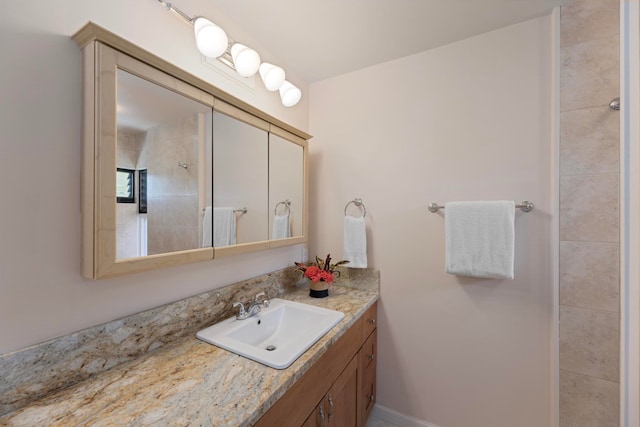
339, 389
175, 379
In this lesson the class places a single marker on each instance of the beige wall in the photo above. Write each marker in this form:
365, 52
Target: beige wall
42, 292
589, 214
467, 121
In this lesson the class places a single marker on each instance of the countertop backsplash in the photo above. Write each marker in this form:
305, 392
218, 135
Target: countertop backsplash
31, 373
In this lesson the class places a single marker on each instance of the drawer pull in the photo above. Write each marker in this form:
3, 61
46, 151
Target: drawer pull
370, 397
321, 414
372, 321
370, 356
331, 408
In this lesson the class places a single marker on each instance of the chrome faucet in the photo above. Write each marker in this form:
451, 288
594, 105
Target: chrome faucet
254, 308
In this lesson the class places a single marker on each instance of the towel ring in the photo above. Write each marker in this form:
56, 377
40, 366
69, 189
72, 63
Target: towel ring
286, 203
358, 202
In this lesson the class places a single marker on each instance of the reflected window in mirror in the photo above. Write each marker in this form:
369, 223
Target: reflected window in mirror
125, 186
142, 194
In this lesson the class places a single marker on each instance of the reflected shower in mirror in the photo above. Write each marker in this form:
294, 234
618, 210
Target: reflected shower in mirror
165, 137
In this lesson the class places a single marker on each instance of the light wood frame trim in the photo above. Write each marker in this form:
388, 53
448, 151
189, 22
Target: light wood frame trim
100, 165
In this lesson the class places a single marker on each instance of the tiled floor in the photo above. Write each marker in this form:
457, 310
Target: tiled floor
377, 422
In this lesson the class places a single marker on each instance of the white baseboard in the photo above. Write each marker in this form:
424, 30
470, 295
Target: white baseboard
397, 418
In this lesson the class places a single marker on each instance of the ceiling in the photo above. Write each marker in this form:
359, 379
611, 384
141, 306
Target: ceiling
319, 39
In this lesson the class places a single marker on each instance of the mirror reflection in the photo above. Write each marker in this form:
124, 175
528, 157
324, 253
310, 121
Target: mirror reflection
286, 185
163, 178
240, 193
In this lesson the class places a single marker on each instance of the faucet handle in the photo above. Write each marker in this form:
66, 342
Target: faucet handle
242, 312
265, 301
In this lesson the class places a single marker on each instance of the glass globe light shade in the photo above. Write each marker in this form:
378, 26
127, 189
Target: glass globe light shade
289, 94
200, 22
272, 76
245, 60
211, 40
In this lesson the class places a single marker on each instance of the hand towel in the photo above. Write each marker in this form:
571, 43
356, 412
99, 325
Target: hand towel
207, 223
480, 239
224, 227
355, 242
281, 229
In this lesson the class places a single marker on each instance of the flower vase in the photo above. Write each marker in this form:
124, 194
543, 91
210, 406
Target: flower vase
319, 289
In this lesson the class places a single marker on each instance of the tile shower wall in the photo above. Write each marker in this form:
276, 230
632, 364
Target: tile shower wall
589, 214
127, 213
174, 215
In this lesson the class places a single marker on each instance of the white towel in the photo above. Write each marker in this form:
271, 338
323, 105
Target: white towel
355, 242
207, 223
281, 229
224, 227
480, 239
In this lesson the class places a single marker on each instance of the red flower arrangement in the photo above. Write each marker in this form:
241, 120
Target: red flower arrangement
321, 270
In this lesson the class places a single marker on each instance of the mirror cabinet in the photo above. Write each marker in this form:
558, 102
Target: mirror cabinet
177, 171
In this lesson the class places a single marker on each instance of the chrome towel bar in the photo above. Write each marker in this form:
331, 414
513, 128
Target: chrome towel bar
237, 210
525, 206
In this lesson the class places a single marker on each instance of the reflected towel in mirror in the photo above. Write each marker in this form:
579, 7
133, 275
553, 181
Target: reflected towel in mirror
206, 227
281, 229
221, 223
224, 227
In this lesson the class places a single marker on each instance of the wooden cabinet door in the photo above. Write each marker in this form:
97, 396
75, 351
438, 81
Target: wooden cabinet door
341, 401
318, 417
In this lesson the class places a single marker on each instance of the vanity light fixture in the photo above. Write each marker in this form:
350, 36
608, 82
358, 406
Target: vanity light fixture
213, 42
246, 60
289, 94
272, 76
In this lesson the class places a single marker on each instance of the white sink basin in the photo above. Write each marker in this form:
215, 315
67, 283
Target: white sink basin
276, 336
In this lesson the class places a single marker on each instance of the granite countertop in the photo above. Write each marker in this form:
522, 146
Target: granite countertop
188, 382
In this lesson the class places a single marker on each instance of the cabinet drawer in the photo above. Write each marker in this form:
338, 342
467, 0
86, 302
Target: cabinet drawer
368, 357
369, 398
369, 321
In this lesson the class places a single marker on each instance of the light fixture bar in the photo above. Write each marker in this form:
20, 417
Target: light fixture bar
226, 56
226, 59
177, 11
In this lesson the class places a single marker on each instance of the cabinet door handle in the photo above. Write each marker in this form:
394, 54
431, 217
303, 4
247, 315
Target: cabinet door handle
370, 397
321, 416
372, 321
331, 407
370, 356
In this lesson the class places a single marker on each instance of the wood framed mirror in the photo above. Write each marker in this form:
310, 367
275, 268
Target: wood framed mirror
202, 152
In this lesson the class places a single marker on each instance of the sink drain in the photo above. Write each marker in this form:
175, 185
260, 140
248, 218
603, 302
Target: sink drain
270, 347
